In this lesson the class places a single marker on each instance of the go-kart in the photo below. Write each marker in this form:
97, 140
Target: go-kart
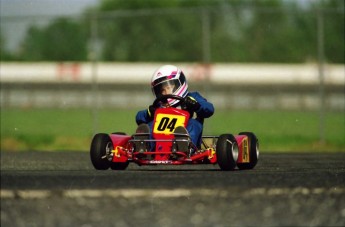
117, 150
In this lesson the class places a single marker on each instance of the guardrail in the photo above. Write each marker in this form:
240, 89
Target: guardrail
229, 96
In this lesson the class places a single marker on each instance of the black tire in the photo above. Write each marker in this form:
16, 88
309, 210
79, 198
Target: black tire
227, 152
253, 151
101, 147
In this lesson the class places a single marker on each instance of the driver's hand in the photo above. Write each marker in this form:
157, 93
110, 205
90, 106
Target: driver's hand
151, 111
192, 104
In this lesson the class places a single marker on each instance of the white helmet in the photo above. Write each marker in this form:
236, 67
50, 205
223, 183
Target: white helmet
169, 75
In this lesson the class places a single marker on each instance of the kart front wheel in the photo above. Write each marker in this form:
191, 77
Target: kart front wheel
227, 152
100, 151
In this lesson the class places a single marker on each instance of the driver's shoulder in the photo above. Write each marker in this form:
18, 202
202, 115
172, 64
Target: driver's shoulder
141, 112
194, 94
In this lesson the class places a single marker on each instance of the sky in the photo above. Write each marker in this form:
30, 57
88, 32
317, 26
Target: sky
44, 7
14, 31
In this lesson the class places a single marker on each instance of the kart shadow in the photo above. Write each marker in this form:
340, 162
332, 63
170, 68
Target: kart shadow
177, 170
173, 169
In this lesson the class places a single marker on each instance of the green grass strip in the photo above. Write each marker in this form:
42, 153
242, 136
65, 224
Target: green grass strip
72, 129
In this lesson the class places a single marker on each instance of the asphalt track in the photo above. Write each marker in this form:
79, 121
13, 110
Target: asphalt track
63, 189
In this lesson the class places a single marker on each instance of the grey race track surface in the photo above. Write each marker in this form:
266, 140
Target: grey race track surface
63, 189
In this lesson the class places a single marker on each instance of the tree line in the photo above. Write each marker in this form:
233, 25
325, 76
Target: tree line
190, 31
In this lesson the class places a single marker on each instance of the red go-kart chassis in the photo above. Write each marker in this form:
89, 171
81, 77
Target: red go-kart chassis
122, 152
117, 150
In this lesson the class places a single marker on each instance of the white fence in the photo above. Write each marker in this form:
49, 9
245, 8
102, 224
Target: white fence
234, 86
141, 73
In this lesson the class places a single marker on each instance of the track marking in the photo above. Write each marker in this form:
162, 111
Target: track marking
165, 193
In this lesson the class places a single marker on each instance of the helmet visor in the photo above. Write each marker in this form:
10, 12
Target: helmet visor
166, 87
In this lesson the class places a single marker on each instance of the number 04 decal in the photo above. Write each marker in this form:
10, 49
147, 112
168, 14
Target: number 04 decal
166, 123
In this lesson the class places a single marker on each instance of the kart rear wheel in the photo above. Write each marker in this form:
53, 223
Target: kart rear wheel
227, 152
100, 151
253, 151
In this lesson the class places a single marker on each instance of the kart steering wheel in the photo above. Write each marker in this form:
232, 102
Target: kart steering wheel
164, 98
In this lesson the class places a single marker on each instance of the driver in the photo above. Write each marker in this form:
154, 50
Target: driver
169, 79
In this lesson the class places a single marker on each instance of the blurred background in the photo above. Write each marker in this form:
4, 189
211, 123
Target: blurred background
73, 68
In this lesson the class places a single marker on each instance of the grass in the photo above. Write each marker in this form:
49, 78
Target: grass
59, 129
285, 131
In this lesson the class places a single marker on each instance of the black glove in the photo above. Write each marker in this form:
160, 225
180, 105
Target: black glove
151, 111
191, 104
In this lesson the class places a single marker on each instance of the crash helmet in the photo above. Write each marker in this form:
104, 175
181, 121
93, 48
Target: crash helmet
169, 76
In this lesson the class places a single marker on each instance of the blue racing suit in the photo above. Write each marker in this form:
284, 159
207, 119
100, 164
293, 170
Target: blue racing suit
194, 126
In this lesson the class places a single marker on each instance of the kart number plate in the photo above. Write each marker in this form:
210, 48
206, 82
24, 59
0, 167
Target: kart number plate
166, 123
